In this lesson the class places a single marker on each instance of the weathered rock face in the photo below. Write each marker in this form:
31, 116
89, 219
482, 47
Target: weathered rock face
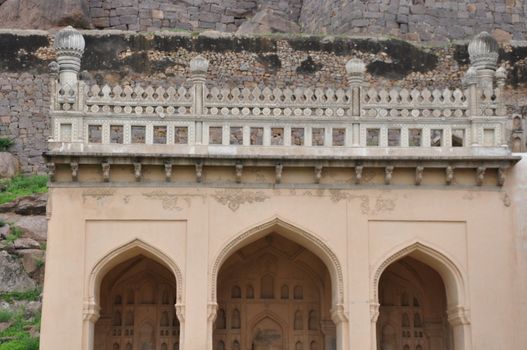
9, 165
30, 205
12, 275
267, 21
39, 14
33, 226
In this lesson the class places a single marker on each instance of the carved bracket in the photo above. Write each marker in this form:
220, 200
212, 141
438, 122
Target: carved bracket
51, 171
74, 171
138, 171
105, 171
199, 171
480, 175
419, 175
91, 311
501, 176
318, 173
358, 174
458, 315
278, 172
449, 175
180, 312
388, 174
239, 172
168, 171
338, 314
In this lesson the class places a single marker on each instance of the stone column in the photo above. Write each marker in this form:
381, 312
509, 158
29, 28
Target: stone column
470, 80
339, 317
90, 315
356, 70
374, 316
198, 70
212, 312
459, 320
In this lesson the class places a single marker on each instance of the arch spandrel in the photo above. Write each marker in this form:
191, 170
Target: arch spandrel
293, 232
123, 253
445, 265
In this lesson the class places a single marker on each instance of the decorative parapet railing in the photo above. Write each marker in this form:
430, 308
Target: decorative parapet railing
357, 117
359, 122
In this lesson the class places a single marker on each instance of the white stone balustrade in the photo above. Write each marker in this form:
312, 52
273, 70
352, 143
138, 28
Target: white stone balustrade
358, 117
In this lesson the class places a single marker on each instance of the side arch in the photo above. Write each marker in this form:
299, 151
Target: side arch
301, 236
123, 253
452, 276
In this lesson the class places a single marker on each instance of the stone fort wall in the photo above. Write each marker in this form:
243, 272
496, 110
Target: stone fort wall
419, 20
162, 59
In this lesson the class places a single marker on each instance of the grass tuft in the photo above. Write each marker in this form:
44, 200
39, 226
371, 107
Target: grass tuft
20, 186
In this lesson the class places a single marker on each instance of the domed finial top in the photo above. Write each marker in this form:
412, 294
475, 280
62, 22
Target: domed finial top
69, 41
199, 65
483, 51
355, 66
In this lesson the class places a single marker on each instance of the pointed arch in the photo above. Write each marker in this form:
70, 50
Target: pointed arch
451, 275
296, 234
123, 253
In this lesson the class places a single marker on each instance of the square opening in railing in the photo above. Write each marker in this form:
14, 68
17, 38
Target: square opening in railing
436, 137
394, 137
277, 136
215, 135
116, 134
138, 134
318, 136
373, 137
65, 132
458, 137
489, 137
415, 137
339, 136
236, 135
95, 133
160, 135
297, 136
257, 136
180, 135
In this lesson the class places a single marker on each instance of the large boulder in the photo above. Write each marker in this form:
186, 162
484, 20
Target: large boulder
9, 165
35, 227
39, 14
32, 259
29, 205
13, 278
268, 21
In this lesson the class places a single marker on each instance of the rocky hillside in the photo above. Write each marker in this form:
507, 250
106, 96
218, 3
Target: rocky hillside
23, 232
416, 20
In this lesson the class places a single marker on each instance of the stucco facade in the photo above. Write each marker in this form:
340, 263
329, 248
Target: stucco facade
389, 246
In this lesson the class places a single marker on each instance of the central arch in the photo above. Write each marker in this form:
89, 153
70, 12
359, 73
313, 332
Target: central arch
306, 241
294, 233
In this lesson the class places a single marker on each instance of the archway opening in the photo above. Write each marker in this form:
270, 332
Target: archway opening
137, 299
413, 308
274, 294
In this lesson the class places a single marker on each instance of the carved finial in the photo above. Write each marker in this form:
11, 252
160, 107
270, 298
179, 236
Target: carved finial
239, 171
168, 171
501, 176
318, 173
358, 174
355, 69
480, 175
388, 174
69, 46
199, 170
74, 171
449, 175
483, 51
198, 67
51, 171
138, 171
278, 172
105, 171
419, 175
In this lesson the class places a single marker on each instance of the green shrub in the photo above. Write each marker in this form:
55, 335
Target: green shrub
5, 316
25, 343
23, 186
32, 295
17, 335
5, 143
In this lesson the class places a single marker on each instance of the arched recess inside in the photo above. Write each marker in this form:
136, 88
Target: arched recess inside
134, 280
408, 272
260, 245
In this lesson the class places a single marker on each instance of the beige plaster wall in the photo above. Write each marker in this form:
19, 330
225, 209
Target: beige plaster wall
480, 231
